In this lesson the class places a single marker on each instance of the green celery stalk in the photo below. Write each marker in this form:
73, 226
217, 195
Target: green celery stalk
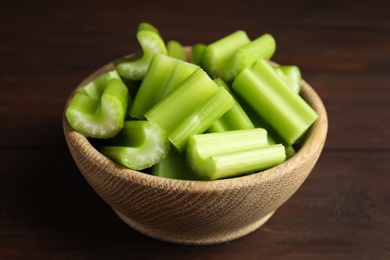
217, 56
233, 153
202, 118
197, 53
134, 67
274, 101
174, 166
226, 63
98, 109
163, 75
185, 102
234, 119
273, 137
139, 145
176, 50
292, 75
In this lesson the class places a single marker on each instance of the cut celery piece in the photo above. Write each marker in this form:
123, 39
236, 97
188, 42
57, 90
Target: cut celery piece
197, 53
233, 153
187, 102
139, 145
226, 63
274, 101
174, 166
176, 50
218, 57
273, 137
134, 67
147, 27
162, 76
234, 119
202, 118
292, 75
98, 109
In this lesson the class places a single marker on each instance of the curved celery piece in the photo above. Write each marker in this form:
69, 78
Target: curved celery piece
233, 153
174, 166
162, 76
134, 67
98, 109
197, 53
190, 108
227, 63
139, 145
292, 75
234, 119
273, 100
176, 50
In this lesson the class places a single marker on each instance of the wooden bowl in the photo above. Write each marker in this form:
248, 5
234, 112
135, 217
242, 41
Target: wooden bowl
197, 212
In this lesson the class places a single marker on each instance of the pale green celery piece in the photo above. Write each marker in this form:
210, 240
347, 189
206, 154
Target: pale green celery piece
234, 119
292, 75
229, 154
197, 53
202, 118
229, 65
182, 101
144, 26
134, 67
218, 57
273, 137
274, 101
98, 109
174, 166
139, 145
176, 50
163, 75
262, 47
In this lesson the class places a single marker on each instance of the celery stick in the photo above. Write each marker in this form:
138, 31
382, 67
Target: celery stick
273, 137
190, 94
147, 27
197, 53
174, 166
192, 102
274, 101
134, 67
217, 56
98, 109
229, 154
240, 55
292, 75
139, 145
176, 50
162, 76
234, 119
202, 118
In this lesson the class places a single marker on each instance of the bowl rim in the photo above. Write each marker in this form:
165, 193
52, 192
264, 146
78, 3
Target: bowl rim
309, 147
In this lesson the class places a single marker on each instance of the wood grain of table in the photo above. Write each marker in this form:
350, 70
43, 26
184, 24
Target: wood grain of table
47, 209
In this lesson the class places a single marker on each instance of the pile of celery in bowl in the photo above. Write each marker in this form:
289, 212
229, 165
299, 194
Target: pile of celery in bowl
212, 111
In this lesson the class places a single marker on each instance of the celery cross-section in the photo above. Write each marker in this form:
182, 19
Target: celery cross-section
139, 145
98, 109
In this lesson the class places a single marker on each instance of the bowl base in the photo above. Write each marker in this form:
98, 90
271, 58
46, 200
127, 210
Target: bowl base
204, 240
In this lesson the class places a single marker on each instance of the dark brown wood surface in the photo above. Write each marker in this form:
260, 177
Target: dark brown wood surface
48, 211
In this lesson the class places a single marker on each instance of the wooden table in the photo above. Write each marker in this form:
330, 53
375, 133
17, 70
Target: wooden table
47, 210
